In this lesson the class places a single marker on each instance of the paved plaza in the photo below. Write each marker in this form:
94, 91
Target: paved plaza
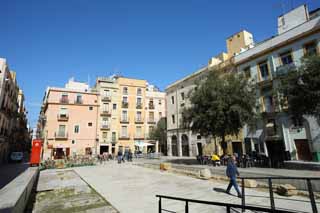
131, 188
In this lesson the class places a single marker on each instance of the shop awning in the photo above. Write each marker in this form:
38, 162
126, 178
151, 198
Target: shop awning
255, 135
141, 143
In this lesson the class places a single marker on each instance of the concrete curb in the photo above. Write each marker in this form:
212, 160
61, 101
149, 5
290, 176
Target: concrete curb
15, 196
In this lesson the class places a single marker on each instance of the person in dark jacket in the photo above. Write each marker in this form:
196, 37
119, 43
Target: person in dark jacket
232, 173
119, 156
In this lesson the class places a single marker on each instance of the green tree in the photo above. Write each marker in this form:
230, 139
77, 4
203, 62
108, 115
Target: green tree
301, 89
160, 134
221, 105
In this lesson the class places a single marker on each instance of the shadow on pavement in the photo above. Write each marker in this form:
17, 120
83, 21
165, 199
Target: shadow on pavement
10, 171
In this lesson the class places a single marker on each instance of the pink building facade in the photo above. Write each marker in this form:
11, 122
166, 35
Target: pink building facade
70, 125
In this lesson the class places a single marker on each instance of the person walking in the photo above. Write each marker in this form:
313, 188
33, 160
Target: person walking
119, 156
232, 173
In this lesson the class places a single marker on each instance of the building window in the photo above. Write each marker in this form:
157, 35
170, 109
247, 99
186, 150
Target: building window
79, 99
151, 128
264, 70
104, 135
105, 107
173, 119
62, 130
151, 116
182, 95
139, 91
90, 124
64, 98
138, 131
286, 58
268, 103
172, 99
63, 112
125, 90
124, 116
310, 48
160, 102
114, 135
198, 137
114, 106
139, 117
106, 93
139, 101
76, 129
124, 131
247, 72
160, 115
90, 108
73, 141
125, 99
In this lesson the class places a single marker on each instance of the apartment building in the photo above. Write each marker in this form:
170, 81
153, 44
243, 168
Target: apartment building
278, 136
68, 121
12, 118
129, 110
183, 142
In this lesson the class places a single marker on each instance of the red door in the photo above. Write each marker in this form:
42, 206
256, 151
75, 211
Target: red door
303, 150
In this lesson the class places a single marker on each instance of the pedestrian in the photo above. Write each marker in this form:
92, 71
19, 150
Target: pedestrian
130, 155
119, 156
232, 173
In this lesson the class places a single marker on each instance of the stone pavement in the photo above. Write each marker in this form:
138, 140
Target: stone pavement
131, 188
64, 191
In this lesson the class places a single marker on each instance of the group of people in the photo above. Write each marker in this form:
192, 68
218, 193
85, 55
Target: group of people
126, 156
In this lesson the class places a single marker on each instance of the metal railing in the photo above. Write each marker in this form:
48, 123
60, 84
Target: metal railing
243, 206
270, 189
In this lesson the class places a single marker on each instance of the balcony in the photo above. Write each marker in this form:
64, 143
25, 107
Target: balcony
139, 120
138, 137
105, 113
124, 137
60, 135
105, 127
64, 100
124, 120
151, 121
151, 106
63, 117
139, 106
125, 104
106, 98
284, 69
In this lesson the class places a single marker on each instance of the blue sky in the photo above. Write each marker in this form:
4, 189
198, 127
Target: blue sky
47, 42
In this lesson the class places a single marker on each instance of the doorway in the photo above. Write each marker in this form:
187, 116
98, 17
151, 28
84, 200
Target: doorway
303, 150
174, 145
103, 149
199, 146
185, 145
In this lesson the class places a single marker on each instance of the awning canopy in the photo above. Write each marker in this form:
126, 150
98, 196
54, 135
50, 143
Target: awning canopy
255, 135
141, 143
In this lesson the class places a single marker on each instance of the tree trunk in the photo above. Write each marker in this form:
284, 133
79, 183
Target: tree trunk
224, 144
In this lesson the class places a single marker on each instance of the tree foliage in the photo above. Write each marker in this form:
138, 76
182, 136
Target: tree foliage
160, 133
301, 89
221, 105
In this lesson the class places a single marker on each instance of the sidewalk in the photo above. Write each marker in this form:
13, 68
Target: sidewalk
133, 189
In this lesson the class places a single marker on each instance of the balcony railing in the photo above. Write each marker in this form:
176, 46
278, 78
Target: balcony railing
125, 104
138, 137
64, 100
105, 126
106, 98
105, 113
61, 135
138, 120
63, 117
139, 106
151, 121
284, 69
124, 120
124, 137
